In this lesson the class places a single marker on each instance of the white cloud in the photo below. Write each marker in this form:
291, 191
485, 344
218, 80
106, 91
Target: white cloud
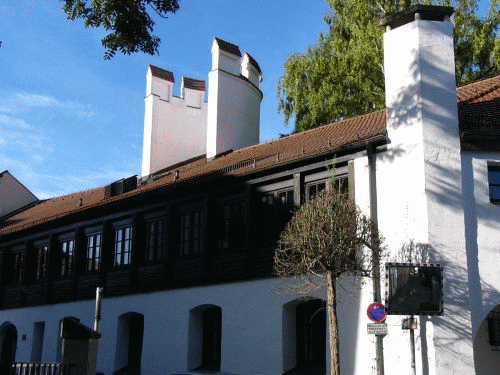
14, 122
20, 102
86, 113
37, 158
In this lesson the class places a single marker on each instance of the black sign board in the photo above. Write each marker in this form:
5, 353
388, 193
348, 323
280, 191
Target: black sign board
414, 289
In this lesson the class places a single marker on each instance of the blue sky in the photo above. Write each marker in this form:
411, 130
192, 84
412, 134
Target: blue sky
70, 121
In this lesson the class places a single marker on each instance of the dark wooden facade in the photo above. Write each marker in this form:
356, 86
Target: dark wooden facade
230, 227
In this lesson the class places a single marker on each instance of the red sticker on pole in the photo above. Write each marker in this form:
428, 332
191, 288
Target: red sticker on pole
376, 312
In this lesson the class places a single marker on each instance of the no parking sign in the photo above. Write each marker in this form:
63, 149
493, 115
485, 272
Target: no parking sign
376, 312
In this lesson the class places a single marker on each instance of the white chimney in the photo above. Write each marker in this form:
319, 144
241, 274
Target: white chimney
419, 177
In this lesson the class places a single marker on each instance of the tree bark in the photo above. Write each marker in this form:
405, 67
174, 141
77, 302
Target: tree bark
331, 306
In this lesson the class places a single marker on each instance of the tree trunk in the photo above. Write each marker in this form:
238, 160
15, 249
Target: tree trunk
331, 306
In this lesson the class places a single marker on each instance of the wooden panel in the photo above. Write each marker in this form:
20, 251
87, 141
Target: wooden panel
36, 294
13, 297
118, 282
62, 290
87, 286
231, 266
264, 262
188, 272
151, 277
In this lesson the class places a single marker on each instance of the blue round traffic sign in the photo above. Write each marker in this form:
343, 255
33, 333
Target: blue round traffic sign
376, 312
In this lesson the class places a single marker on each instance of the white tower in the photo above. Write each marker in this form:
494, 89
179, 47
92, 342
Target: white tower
233, 99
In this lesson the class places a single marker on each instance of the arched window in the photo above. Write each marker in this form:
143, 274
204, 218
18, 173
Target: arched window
204, 341
8, 346
129, 343
304, 337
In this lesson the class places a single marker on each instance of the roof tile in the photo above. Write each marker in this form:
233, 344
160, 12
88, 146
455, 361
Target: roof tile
162, 73
228, 47
193, 84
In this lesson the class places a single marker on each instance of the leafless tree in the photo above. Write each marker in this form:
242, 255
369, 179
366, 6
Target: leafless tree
327, 237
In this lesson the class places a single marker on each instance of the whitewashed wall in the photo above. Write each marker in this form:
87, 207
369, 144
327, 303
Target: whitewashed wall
174, 130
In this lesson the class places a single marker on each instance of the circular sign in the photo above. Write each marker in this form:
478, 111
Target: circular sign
376, 312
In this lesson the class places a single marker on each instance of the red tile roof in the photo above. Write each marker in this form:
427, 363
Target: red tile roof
162, 73
228, 47
253, 62
193, 84
315, 142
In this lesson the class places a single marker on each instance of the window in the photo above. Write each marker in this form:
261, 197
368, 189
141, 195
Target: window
314, 188
13, 266
155, 240
129, 341
304, 337
311, 336
204, 340
123, 245
231, 228
494, 183
19, 263
341, 183
276, 210
191, 225
42, 262
94, 247
67, 247
494, 329
37, 345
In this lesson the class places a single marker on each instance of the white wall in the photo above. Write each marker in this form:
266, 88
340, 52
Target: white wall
252, 327
174, 131
482, 233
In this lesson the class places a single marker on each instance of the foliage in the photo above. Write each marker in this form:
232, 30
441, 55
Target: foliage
325, 234
128, 22
325, 239
342, 75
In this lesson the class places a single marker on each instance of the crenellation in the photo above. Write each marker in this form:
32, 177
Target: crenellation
178, 128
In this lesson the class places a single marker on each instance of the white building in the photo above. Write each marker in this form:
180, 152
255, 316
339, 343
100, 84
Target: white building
185, 253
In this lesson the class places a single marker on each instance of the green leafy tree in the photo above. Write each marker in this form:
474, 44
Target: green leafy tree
342, 75
129, 23
326, 238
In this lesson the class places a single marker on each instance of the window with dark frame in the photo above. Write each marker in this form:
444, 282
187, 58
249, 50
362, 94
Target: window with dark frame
42, 262
155, 240
231, 228
341, 183
191, 223
94, 249
211, 339
494, 330
494, 183
19, 263
275, 211
67, 247
310, 332
313, 189
123, 246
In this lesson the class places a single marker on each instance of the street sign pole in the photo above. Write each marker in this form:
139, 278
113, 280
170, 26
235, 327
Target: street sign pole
412, 348
411, 324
